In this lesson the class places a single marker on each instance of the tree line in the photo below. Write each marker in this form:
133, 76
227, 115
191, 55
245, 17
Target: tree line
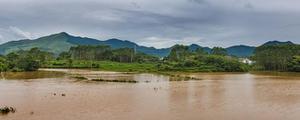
25, 60
106, 53
181, 58
278, 57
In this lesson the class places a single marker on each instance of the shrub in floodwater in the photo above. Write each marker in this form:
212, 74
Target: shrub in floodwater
6, 110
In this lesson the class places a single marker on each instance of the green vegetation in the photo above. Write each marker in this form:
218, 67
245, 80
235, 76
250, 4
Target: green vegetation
23, 60
106, 53
294, 65
104, 65
127, 60
181, 59
123, 59
278, 57
284, 57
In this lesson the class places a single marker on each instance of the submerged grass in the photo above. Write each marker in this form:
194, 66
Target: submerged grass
120, 81
182, 78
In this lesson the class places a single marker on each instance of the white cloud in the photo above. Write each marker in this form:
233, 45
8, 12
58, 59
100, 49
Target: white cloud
1, 37
17, 31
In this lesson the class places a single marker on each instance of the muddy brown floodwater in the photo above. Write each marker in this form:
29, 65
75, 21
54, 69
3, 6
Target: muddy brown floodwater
218, 96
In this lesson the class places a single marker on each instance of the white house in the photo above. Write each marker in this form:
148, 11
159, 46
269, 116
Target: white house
246, 61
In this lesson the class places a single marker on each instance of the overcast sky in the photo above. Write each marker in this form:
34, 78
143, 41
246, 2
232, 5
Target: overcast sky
158, 23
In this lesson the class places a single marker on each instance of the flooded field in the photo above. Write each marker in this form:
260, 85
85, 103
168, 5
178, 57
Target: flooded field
212, 96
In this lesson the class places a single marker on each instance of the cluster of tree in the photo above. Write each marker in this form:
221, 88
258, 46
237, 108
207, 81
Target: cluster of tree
181, 58
106, 53
24, 60
278, 57
294, 65
181, 52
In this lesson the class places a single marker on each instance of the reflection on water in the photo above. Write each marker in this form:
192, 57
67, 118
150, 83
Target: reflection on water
218, 96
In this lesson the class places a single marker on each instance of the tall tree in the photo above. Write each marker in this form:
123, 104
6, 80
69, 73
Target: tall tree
124, 54
179, 53
294, 64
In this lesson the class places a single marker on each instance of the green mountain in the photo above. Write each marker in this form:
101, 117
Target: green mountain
275, 42
60, 42
53, 43
240, 50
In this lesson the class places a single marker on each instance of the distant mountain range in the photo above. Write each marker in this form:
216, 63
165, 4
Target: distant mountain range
278, 43
60, 42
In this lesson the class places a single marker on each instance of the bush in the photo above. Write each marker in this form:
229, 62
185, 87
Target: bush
190, 63
226, 64
28, 64
294, 65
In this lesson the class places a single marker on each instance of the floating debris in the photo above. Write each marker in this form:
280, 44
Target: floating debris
6, 110
63, 94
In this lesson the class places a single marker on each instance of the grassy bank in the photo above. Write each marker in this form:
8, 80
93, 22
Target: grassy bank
134, 67
104, 65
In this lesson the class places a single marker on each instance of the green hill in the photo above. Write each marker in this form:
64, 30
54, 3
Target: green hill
57, 43
54, 43
275, 42
240, 50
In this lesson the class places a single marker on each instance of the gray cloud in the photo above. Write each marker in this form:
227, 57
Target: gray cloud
249, 5
1, 38
208, 23
199, 1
